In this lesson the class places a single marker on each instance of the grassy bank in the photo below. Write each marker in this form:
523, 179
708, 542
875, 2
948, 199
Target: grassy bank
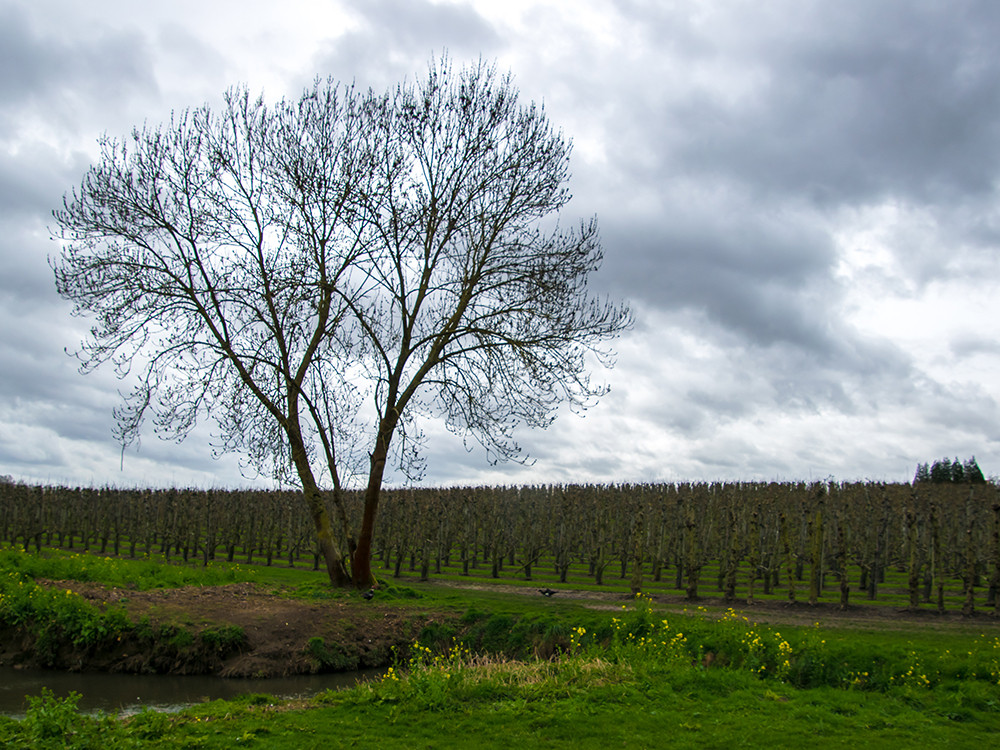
631, 676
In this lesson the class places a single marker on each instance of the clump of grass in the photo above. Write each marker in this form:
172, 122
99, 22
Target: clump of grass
55, 722
437, 680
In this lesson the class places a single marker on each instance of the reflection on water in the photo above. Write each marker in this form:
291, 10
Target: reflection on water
127, 693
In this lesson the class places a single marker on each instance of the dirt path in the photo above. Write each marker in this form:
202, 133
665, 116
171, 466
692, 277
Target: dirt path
826, 614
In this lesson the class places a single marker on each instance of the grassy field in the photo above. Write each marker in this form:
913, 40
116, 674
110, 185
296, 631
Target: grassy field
626, 673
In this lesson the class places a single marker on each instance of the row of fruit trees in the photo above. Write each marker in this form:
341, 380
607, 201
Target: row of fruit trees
940, 543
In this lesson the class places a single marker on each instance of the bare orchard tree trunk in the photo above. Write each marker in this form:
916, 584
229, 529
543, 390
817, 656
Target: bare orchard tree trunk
816, 546
692, 546
789, 556
913, 543
845, 587
994, 592
638, 552
969, 569
754, 553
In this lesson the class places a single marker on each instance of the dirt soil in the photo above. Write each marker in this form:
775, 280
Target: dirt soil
280, 632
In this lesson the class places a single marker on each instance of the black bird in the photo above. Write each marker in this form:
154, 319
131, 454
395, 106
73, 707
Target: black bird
546, 592
369, 594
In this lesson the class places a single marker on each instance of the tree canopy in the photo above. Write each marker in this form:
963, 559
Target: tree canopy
945, 471
318, 273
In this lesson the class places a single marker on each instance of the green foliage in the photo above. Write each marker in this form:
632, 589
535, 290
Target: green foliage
473, 615
50, 718
55, 615
515, 636
946, 471
52, 722
494, 636
256, 699
434, 633
176, 637
224, 639
706, 661
332, 657
147, 725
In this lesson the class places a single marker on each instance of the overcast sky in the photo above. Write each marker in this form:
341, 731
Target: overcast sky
799, 199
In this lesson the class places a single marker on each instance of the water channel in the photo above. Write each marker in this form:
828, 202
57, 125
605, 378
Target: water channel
126, 693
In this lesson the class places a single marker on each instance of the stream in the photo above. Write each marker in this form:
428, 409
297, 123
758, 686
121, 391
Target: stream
127, 693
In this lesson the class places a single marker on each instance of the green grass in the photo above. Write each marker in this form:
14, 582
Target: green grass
582, 700
638, 676
139, 574
891, 592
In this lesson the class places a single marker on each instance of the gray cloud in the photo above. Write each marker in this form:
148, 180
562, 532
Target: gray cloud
64, 79
766, 177
837, 102
397, 38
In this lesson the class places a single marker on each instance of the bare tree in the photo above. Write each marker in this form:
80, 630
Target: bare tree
318, 274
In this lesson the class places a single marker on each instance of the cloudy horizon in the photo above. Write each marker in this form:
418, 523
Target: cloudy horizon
798, 199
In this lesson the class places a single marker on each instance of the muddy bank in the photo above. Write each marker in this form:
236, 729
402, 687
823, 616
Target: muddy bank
236, 630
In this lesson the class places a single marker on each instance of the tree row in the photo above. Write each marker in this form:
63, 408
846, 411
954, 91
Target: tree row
940, 543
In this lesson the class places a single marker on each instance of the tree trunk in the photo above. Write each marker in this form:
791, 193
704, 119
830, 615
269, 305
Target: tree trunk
638, 552
328, 547
361, 564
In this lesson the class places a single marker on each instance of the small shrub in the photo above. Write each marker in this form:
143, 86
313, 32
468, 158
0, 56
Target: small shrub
256, 699
224, 639
434, 634
496, 633
55, 722
333, 657
473, 615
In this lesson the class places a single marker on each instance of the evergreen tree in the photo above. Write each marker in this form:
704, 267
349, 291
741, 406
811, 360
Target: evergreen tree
941, 471
973, 474
946, 471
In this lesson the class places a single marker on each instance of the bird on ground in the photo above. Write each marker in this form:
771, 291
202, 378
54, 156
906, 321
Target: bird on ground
546, 592
368, 594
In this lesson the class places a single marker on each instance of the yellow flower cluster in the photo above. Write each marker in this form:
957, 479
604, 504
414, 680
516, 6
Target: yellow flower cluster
914, 676
576, 637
